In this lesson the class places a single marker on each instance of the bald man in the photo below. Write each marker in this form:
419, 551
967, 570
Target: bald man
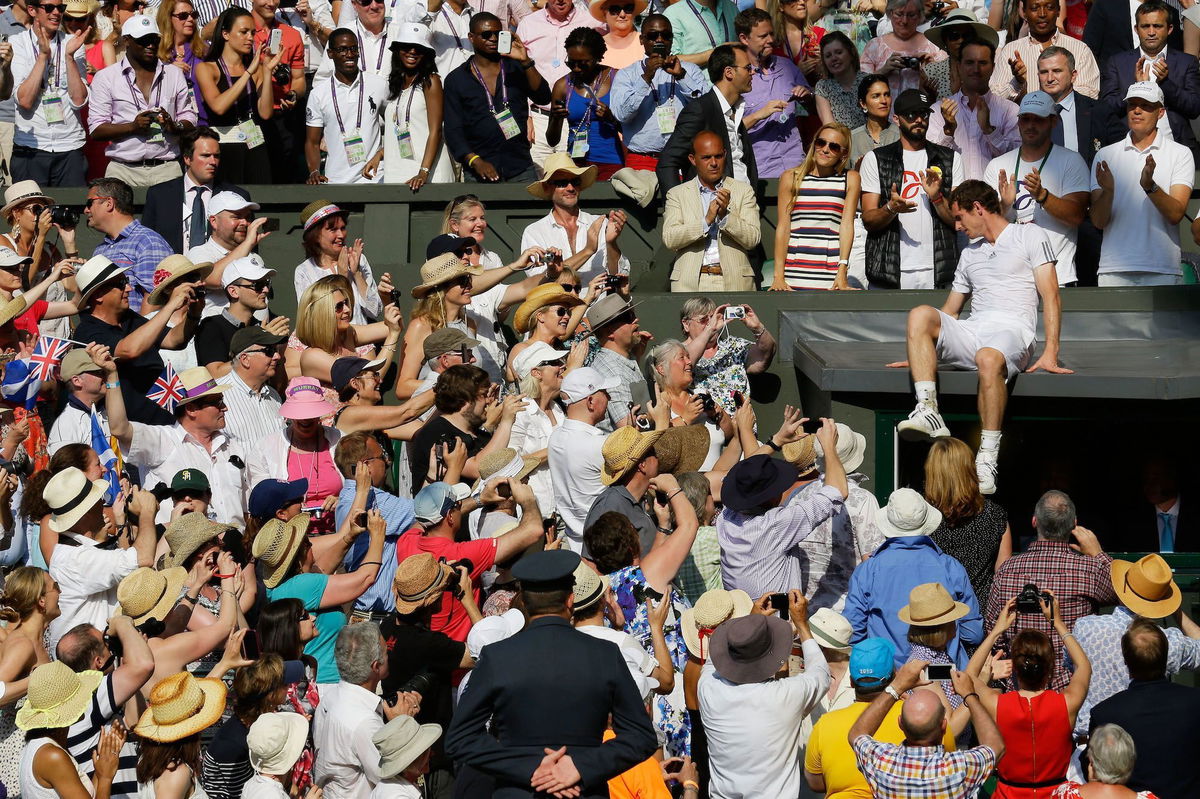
920, 766
711, 222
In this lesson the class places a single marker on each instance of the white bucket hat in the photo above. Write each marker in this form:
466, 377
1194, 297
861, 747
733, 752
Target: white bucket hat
907, 513
276, 741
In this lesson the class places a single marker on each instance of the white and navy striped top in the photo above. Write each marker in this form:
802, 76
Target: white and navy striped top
84, 735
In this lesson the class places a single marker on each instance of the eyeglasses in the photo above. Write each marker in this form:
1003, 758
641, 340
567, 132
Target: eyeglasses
656, 36
564, 182
347, 49
571, 288
261, 351
746, 67
258, 285
487, 36
833, 147
341, 305
625, 9
184, 16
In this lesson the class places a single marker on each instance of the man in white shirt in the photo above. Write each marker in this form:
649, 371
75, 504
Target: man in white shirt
351, 712
369, 22
1003, 270
235, 235
346, 110
47, 71
1017, 59
449, 34
1043, 184
85, 562
753, 721
1140, 189
90, 377
974, 121
588, 242
253, 404
574, 452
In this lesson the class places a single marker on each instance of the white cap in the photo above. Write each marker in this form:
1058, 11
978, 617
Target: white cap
493, 629
228, 201
536, 354
581, 383
1147, 90
10, 257
1037, 103
140, 25
249, 268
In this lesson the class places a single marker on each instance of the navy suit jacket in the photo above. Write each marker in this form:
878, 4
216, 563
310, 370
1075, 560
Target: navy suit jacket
1181, 90
164, 209
1089, 130
1108, 30
703, 113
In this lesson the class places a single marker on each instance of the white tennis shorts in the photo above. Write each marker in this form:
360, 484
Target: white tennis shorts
960, 339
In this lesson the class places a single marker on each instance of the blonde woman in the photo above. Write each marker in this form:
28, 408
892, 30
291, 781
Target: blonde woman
550, 315
797, 36
671, 364
324, 331
819, 198
182, 45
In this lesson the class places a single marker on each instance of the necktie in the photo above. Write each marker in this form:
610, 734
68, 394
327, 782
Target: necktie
198, 229
1056, 134
1167, 539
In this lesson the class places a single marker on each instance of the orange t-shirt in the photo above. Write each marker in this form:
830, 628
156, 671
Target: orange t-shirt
293, 54
643, 781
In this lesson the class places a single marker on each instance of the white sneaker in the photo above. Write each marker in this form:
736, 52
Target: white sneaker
923, 424
987, 472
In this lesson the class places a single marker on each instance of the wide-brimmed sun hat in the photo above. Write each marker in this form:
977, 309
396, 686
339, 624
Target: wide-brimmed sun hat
907, 513
930, 605
277, 544
419, 580
851, 448
751, 649
70, 495
198, 382
714, 607
556, 165
757, 480
541, 297
180, 706
276, 741
961, 17
21, 192
598, 7
440, 270
505, 462
57, 696
187, 534
682, 448
622, 450
93, 273
148, 594
304, 398
173, 270
1146, 587
12, 309
401, 741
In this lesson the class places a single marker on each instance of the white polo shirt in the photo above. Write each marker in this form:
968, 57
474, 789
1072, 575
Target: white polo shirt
357, 112
575, 462
33, 128
448, 35
1063, 172
1137, 238
999, 277
74, 426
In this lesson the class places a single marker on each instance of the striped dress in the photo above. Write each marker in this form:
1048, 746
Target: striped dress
813, 241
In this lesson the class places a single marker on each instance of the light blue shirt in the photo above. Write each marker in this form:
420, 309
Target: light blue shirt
635, 103
398, 513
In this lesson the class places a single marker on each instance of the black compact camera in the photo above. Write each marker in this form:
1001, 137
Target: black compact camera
708, 404
910, 61
452, 582
939, 7
64, 216
1029, 600
643, 592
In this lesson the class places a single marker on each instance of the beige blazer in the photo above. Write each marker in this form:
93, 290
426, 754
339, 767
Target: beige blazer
684, 232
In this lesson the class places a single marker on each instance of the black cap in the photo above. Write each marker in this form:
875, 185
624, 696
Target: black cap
346, 369
912, 101
251, 336
448, 242
547, 571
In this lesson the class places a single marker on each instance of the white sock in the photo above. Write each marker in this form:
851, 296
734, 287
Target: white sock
926, 392
989, 442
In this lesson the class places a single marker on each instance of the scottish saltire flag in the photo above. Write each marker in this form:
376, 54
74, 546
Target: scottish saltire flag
48, 354
21, 383
167, 389
108, 459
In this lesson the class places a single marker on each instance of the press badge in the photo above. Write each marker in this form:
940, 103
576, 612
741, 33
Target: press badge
155, 134
52, 107
508, 125
579, 145
404, 143
356, 150
666, 118
250, 134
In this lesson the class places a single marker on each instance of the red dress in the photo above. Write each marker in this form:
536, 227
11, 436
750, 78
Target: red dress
1037, 745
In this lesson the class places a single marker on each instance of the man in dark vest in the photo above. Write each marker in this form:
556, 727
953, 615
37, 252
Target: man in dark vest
905, 201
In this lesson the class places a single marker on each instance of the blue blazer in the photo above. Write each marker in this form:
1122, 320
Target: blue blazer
1108, 31
1181, 90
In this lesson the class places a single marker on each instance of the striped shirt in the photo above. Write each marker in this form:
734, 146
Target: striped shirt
251, 415
84, 736
225, 765
895, 771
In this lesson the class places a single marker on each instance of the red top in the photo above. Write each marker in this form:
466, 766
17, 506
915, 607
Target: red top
1037, 744
451, 618
33, 315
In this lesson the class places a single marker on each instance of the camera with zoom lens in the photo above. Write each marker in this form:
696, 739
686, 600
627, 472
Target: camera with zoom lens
452, 582
1029, 600
708, 404
423, 683
64, 216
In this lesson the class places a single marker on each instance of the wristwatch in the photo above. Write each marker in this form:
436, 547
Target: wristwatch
890, 691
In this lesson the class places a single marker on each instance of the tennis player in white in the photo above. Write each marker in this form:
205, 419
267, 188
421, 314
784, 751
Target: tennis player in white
1003, 270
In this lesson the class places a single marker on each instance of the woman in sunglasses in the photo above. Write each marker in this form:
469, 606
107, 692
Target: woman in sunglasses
182, 45
624, 45
959, 29
580, 99
325, 332
813, 251
413, 151
28, 212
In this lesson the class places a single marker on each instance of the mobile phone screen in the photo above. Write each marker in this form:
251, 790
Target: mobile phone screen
938, 671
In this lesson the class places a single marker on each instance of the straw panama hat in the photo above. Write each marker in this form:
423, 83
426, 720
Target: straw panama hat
622, 450
589, 586
187, 534
21, 192
442, 269
198, 382
275, 741
1147, 587
181, 705
907, 513
541, 297
419, 579
57, 696
148, 594
401, 741
70, 495
682, 448
930, 604
831, 630
801, 454
276, 546
556, 163
11, 310
712, 608
170, 271
93, 273
504, 463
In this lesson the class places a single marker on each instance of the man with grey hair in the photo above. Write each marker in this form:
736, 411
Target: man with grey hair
1066, 559
351, 712
1111, 754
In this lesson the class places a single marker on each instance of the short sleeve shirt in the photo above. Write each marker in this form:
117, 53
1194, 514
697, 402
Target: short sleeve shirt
357, 112
895, 771
452, 618
309, 588
999, 277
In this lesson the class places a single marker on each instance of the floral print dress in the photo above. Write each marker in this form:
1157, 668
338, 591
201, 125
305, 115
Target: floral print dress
724, 373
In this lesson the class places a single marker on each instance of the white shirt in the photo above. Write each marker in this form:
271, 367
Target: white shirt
366, 304
1137, 238
546, 232
641, 664
161, 451
74, 426
484, 311
374, 57
1000, 277
531, 432
367, 90
347, 762
189, 197
260, 787
395, 788
1063, 172
88, 578
575, 463
754, 730
33, 130
732, 124
976, 147
252, 415
448, 35
314, 48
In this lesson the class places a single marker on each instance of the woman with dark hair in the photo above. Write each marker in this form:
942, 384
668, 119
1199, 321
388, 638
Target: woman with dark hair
875, 100
412, 144
285, 627
837, 91
180, 708
235, 82
1036, 722
581, 98
330, 252
257, 689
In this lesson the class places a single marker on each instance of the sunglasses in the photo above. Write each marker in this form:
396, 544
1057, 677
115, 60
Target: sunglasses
625, 9
915, 117
487, 36
462, 198
560, 311
341, 305
657, 36
467, 252
210, 402
115, 283
50, 9
258, 285
184, 16
365, 3
833, 147
464, 353
15, 269
955, 33
571, 288
564, 182
88, 202
463, 281
625, 318
261, 351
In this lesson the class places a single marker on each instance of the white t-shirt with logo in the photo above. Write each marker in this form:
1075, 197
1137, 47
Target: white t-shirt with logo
999, 277
916, 227
1063, 172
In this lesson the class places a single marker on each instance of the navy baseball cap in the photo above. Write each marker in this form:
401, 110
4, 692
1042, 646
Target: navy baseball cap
448, 242
270, 496
346, 369
872, 661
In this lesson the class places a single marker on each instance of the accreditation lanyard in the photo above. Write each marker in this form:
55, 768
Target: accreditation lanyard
362, 50
362, 90
670, 93
249, 86
1017, 166
586, 119
488, 92
136, 93
712, 39
407, 108
54, 80
453, 29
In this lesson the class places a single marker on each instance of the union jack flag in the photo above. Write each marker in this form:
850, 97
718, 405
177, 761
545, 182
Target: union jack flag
48, 354
167, 389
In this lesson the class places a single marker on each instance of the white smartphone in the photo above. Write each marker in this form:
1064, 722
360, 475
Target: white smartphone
276, 40
938, 672
504, 43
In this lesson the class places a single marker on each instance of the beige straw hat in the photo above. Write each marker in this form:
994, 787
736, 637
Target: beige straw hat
542, 296
558, 164
801, 454
198, 382
148, 594
276, 546
589, 586
504, 463
181, 706
712, 608
187, 534
442, 269
419, 580
57, 696
12, 309
930, 605
623, 449
170, 271
682, 448
70, 495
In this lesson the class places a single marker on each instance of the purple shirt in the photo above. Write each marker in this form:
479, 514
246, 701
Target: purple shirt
116, 98
776, 139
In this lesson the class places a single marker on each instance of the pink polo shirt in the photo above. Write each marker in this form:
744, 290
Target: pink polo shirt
114, 97
546, 39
